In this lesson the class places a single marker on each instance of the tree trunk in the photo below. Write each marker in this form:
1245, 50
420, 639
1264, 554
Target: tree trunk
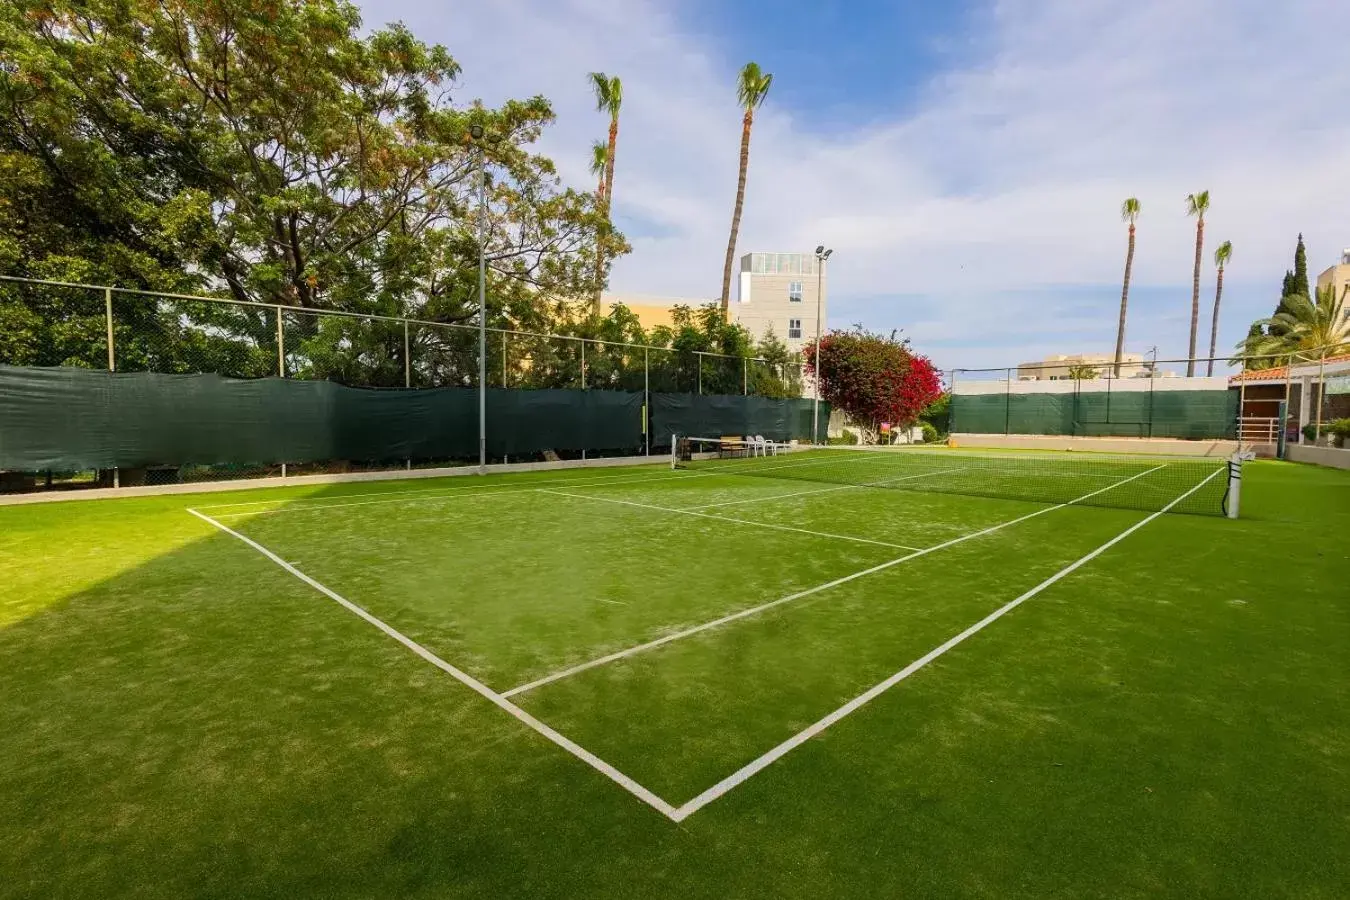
1214, 323
736, 215
1195, 296
606, 199
1124, 302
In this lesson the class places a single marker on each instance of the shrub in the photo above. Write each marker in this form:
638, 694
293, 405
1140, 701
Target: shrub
1341, 429
930, 434
848, 437
1309, 433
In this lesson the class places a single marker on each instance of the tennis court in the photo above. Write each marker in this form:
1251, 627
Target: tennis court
578, 665
677, 627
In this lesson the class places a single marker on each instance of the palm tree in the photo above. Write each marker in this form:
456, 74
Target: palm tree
1221, 258
1129, 212
599, 159
608, 99
1196, 205
751, 89
1308, 329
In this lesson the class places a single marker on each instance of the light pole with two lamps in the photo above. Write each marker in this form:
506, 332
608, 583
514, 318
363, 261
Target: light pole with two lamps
821, 255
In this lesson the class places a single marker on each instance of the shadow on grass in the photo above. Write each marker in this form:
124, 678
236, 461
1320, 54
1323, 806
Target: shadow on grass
205, 725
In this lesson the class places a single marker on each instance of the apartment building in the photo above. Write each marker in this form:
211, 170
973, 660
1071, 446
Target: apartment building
781, 292
1058, 368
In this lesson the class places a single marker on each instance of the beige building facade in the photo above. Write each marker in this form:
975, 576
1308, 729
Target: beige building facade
1057, 368
776, 293
781, 293
1337, 276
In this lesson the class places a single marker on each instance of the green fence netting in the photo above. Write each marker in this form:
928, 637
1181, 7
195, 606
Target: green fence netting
1197, 414
724, 415
67, 419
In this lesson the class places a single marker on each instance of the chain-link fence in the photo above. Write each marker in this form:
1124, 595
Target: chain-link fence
1267, 401
52, 324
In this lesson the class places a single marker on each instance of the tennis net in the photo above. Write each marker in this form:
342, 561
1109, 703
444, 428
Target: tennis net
1147, 483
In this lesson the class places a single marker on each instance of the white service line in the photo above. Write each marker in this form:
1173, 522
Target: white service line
755, 610
703, 515
750, 769
487, 491
581, 753
846, 487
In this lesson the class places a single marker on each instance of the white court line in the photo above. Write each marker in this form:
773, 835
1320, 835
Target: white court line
846, 487
581, 753
703, 515
745, 772
466, 492
755, 610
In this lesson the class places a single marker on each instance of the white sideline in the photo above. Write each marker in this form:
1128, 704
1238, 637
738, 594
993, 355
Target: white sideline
755, 610
487, 491
801, 737
846, 487
581, 753
703, 515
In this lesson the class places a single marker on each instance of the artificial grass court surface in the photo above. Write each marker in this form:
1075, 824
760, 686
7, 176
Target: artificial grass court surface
180, 716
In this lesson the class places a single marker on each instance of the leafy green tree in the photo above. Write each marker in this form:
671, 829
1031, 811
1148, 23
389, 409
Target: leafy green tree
1221, 257
271, 152
873, 378
1083, 372
751, 88
1129, 212
1196, 205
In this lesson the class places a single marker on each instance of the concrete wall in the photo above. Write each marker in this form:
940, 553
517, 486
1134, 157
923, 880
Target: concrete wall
1335, 457
1165, 446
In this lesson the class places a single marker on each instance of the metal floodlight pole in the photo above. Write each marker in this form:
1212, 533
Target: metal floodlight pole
821, 255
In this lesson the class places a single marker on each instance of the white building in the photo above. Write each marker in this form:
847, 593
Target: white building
781, 292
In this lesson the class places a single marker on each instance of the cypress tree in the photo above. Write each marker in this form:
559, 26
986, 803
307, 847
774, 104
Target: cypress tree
1301, 269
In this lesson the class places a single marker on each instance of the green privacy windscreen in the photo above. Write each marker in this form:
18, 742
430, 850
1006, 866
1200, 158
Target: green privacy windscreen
720, 415
66, 419
1195, 414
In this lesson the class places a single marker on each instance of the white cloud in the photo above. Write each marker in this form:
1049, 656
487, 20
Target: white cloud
1004, 179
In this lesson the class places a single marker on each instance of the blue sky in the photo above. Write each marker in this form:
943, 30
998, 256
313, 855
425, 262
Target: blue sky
965, 160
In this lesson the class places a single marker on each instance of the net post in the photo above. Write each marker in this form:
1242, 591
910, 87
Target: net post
1233, 498
674, 451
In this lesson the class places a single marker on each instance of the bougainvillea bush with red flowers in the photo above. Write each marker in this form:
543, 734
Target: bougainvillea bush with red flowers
874, 378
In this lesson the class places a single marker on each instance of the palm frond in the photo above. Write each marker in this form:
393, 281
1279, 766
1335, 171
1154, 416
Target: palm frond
752, 86
1223, 253
599, 156
608, 91
1129, 210
1197, 204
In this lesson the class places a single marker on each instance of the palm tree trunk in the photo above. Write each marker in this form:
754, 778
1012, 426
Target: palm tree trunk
1124, 302
606, 201
1214, 323
736, 215
1195, 296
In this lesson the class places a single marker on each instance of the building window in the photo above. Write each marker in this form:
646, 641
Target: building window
795, 328
795, 291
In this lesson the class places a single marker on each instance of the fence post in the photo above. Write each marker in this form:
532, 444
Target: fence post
951, 408
112, 358
407, 357
281, 348
698, 361
1007, 401
745, 376
583, 367
505, 335
646, 403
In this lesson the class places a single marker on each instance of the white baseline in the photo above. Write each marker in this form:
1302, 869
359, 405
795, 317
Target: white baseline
581, 753
745, 772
